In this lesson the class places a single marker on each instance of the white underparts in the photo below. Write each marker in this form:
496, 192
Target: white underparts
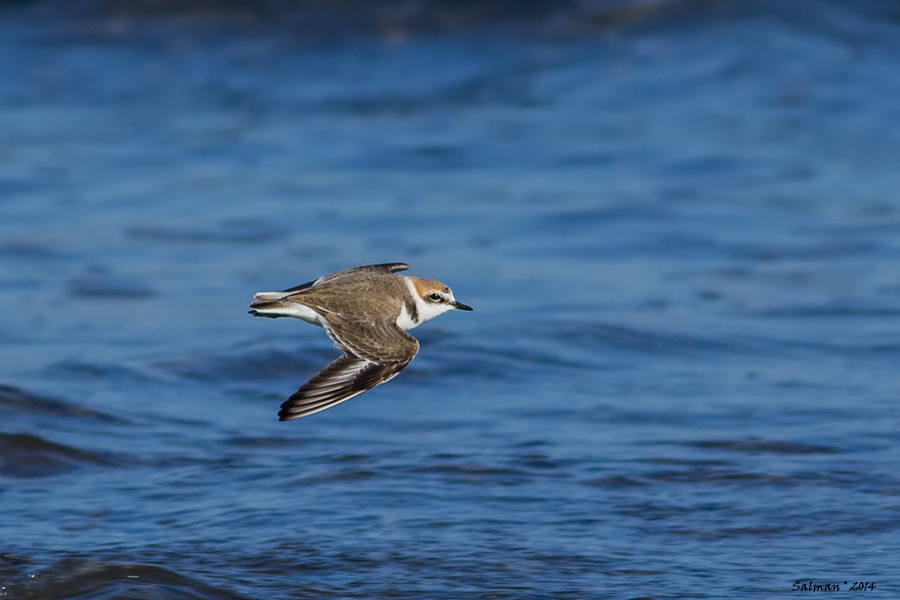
404, 321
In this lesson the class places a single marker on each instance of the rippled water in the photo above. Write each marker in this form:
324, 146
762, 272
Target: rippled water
681, 240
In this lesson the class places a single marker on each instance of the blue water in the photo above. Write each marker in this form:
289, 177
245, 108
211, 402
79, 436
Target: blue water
681, 237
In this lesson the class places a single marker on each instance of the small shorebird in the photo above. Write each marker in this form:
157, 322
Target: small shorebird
366, 311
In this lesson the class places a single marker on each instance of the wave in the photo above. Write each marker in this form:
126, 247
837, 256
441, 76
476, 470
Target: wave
96, 580
23, 455
389, 17
17, 400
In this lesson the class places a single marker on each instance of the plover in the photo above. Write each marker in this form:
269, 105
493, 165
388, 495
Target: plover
366, 311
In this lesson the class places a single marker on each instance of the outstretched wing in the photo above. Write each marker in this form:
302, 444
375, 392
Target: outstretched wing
390, 267
343, 379
384, 267
374, 352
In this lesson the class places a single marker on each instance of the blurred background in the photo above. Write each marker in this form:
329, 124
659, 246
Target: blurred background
678, 222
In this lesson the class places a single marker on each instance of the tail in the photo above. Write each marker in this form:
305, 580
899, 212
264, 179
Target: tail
278, 304
268, 304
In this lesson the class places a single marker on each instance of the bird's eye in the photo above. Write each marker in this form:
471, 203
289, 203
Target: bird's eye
435, 297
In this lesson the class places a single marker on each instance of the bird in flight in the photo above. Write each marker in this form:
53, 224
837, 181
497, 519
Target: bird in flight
366, 311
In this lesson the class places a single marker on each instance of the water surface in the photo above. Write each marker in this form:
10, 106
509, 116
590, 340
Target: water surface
680, 238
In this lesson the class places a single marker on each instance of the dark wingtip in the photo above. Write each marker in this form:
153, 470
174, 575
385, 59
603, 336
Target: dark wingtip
393, 267
286, 414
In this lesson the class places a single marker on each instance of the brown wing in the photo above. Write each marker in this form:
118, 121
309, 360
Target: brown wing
374, 352
343, 379
382, 268
389, 267
377, 340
